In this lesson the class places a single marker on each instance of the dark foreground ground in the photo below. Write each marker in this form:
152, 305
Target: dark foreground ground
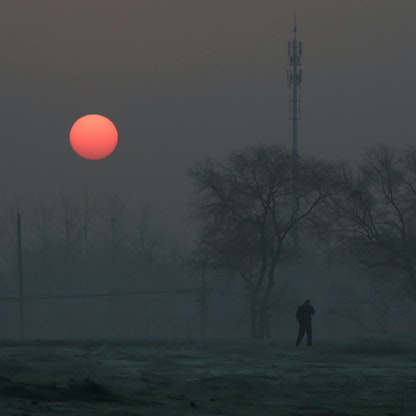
366, 377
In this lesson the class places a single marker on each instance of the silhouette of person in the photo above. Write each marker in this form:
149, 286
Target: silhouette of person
304, 316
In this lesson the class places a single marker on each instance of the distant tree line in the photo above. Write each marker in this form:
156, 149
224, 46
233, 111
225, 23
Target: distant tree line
87, 244
253, 224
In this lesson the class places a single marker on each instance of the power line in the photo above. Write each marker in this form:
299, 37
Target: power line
120, 294
100, 295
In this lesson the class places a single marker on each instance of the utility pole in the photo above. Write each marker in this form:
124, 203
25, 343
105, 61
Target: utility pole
294, 79
203, 302
20, 275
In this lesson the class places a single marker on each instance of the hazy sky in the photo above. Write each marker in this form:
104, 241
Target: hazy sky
186, 79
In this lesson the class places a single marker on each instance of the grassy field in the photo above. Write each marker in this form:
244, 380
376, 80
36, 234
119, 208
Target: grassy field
368, 376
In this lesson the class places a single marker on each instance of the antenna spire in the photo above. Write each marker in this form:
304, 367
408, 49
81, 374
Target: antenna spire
294, 79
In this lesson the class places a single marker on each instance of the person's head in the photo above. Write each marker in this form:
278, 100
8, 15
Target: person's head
307, 302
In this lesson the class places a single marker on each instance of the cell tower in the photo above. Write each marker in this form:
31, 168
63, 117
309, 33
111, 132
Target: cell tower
294, 79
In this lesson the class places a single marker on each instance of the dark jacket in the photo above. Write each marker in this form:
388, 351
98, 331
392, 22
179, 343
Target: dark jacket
304, 313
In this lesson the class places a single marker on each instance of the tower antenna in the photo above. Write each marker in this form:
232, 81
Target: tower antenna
294, 79
294, 24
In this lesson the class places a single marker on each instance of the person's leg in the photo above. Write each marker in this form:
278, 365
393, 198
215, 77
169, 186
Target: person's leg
309, 334
301, 333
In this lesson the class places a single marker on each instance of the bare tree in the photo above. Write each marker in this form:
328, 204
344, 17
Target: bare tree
375, 214
88, 210
111, 213
247, 214
72, 232
44, 228
146, 233
369, 310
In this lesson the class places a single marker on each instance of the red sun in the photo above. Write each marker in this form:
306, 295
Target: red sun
93, 137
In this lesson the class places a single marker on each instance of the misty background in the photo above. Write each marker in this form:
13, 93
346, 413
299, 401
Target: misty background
182, 81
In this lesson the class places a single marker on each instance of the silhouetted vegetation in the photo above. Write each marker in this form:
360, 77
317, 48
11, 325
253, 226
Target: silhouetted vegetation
98, 265
253, 217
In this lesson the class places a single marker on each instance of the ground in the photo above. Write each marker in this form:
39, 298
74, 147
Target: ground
368, 376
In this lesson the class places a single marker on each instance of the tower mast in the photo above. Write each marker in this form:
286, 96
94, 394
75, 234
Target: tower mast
294, 79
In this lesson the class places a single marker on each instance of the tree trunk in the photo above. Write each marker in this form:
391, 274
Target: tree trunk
253, 317
264, 324
412, 281
268, 330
